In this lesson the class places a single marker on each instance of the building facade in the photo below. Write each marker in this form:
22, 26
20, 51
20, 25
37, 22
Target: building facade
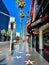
4, 20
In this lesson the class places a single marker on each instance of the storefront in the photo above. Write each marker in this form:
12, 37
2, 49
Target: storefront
39, 27
38, 31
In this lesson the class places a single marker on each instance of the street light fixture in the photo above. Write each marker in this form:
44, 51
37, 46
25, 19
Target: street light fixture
35, 32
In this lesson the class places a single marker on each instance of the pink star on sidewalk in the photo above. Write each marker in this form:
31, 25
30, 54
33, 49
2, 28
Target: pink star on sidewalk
28, 54
18, 57
29, 62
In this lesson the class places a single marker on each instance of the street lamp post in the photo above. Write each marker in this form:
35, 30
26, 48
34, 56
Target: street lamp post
12, 19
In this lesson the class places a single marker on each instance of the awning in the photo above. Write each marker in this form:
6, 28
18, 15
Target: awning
41, 20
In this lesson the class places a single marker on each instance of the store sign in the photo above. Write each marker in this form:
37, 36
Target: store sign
36, 22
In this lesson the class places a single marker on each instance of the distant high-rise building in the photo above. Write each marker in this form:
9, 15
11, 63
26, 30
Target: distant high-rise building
4, 20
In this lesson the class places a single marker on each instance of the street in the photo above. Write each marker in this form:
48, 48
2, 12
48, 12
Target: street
24, 32
4, 46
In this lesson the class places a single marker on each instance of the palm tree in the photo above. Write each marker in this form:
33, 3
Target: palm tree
3, 32
21, 14
8, 32
20, 3
8, 35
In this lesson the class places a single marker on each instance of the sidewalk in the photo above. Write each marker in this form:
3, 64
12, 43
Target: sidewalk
5, 50
4, 42
20, 57
4, 46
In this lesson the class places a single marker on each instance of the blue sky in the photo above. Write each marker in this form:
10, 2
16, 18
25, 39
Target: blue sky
14, 11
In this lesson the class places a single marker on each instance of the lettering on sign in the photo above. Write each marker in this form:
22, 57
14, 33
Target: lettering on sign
36, 22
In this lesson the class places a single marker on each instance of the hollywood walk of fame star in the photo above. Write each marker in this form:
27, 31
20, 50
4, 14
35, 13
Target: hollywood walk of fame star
28, 54
18, 57
29, 62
